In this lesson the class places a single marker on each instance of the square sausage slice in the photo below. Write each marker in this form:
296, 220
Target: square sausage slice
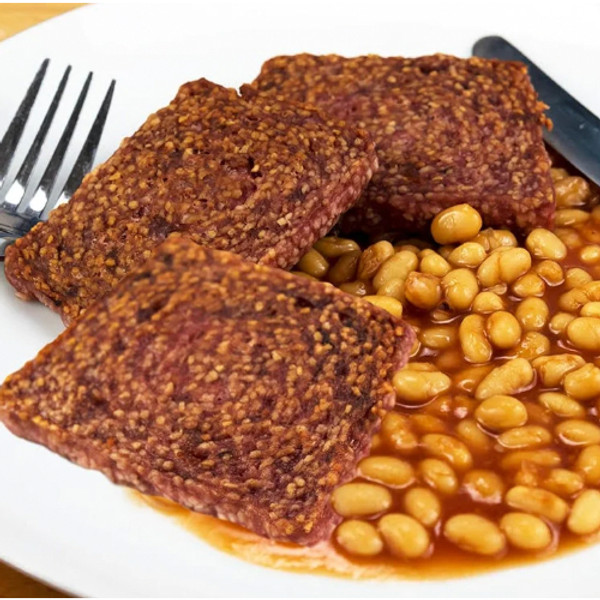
261, 178
235, 389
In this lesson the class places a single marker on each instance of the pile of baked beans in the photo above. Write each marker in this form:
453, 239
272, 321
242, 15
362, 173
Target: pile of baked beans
494, 446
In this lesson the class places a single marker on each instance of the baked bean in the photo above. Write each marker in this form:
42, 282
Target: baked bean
387, 303
416, 347
393, 288
584, 333
492, 239
439, 337
344, 269
464, 406
460, 288
440, 315
513, 263
533, 314
445, 251
526, 531
590, 309
569, 236
583, 383
409, 247
571, 191
570, 216
530, 284
536, 413
576, 277
469, 254
417, 387
544, 244
373, 258
404, 536
397, 266
421, 366
423, 290
360, 499
396, 431
442, 406
530, 436
542, 458
573, 300
468, 379
468, 431
528, 475
474, 533
473, 340
551, 272
590, 254
559, 322
563, 482
588, 464
577, 432
428, 424
334, 247
434, 264
359, 538
585, 513
439, 475
304, 275
484, 485
376, 442
499, 288
356, 288
551, 370
423, 505
488, 272
503, 329
457, 223
561, 405
537, 501
508, 379
532, 345
558, 174
497, 413
487, 302
314, 264
388, 470
449, 448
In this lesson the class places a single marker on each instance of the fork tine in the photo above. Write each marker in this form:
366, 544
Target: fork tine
88, 152
12, 136
41, 196
16, 192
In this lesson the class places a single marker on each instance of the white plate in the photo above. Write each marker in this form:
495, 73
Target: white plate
71, 527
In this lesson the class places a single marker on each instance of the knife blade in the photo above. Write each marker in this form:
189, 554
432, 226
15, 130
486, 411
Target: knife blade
576, 131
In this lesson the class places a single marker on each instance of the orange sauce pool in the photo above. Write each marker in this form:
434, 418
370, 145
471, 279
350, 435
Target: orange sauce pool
325, 559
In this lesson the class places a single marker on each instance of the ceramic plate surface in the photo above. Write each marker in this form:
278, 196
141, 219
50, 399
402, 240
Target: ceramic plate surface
71, 527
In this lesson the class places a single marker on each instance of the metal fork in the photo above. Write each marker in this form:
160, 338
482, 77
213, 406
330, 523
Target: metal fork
20, 209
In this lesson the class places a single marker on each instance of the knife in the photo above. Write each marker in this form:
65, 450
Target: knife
576, 131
